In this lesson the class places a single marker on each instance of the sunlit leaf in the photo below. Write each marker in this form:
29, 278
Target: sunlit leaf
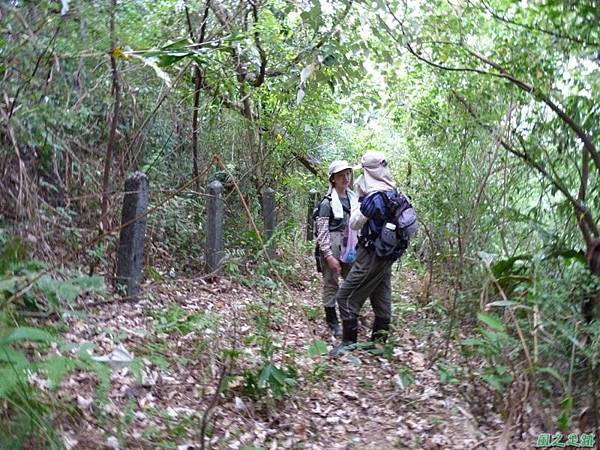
317, 348
491, 321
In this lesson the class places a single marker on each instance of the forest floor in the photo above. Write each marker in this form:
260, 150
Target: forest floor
179, 332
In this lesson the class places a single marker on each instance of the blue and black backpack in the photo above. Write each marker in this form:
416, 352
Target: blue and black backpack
392, 222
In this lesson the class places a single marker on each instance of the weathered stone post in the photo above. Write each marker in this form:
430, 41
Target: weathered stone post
214, 235
312, 202
130, 254
269, 218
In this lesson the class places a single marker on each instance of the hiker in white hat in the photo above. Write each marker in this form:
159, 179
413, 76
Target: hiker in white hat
336, 241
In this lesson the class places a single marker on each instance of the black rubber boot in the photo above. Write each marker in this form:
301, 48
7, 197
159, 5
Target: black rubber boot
349, 337
332, 321
381, 329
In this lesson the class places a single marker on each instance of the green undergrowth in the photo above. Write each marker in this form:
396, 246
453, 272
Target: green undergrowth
530, 339
34, 359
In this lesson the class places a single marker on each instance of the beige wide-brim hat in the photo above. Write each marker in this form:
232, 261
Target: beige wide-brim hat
338, 165
372, 160
375, 176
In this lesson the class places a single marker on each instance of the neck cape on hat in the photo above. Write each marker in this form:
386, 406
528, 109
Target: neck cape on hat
375, 176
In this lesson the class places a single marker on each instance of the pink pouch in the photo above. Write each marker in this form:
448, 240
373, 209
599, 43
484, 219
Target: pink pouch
349, 242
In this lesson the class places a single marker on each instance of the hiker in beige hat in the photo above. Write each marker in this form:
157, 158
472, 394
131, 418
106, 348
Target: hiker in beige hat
336, 241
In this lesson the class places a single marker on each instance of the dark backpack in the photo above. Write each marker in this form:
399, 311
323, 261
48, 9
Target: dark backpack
317, 251
392, 222
315, 214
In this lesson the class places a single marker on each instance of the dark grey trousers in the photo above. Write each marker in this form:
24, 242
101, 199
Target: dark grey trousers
370, 277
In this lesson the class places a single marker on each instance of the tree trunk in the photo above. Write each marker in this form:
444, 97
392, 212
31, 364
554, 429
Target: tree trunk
114, 120
197, 86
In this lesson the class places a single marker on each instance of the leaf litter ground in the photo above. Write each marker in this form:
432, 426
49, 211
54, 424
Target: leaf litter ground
178, 334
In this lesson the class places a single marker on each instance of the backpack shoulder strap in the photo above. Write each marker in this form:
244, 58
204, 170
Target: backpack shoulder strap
345, 208
318, 207
391, 204
325, 197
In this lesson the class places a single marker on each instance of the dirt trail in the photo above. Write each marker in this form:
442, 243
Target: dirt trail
177, 335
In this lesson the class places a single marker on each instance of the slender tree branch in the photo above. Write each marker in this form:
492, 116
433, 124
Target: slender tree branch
416, 54
204, 22
497, 16
221, 13
325, 36
583, 215
198, 76
501, 73
35, 69
581, 134
585, 174
116, 90
134, 140
189, 21
310, 166
263, 55
196, 106
211, 405
224, 18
